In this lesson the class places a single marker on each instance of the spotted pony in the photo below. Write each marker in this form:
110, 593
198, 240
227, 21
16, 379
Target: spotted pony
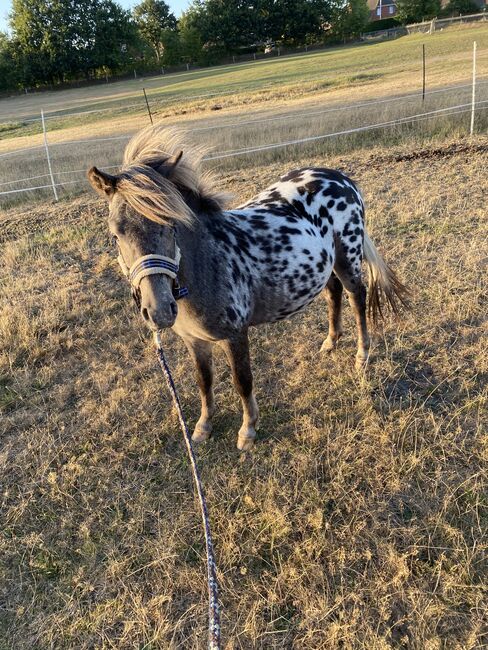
258, 263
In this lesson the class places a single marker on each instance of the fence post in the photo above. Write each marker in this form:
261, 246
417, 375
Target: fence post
473, 95
147, 104
254, 55
47, 156
187, 67
423, 72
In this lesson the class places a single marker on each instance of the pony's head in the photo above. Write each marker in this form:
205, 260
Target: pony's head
158, 188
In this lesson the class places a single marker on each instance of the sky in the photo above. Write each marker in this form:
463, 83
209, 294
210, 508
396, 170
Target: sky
177, 7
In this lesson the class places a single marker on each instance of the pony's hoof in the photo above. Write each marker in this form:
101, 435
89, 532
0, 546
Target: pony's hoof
201, 433
245, 443
329, 344
361, 363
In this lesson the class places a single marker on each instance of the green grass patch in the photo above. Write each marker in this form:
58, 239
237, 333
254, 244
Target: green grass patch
333, 67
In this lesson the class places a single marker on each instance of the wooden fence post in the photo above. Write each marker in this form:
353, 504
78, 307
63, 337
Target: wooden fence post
147, 104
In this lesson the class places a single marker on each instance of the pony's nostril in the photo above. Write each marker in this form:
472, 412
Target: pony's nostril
174, 308
145, 313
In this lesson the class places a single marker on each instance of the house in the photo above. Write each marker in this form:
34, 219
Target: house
379, 9
481, 4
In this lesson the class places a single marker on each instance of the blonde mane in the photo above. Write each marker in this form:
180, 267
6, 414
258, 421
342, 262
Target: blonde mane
158, 167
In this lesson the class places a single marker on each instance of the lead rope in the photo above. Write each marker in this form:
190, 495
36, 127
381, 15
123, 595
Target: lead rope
213, 591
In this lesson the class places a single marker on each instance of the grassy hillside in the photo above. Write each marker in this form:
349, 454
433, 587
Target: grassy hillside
384, 67
359, 521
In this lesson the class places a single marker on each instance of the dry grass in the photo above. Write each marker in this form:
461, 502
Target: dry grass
358, 522
294, 89
231, 132
341, 74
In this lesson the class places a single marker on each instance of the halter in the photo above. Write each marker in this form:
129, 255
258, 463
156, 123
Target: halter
154, 265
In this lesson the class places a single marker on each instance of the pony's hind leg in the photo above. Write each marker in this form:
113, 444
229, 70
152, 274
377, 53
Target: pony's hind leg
348, 270
201, 353
237, 352
333, 294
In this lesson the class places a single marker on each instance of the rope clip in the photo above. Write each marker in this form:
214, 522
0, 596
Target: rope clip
157, 339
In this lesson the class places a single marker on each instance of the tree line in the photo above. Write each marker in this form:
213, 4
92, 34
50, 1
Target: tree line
57, 41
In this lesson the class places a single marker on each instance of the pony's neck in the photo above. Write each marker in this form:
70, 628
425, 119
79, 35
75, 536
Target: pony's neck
199, 204
197, 241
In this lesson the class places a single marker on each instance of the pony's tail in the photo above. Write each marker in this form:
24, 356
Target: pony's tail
383, 284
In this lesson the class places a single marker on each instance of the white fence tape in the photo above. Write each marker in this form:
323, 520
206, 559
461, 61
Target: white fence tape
71, 171
65, 142
39, 187
334, 109
16, 151
57, 144
52, 115
258, 121
452, 110
411, 118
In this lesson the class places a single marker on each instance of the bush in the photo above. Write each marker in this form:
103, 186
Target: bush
456, 7
384, 23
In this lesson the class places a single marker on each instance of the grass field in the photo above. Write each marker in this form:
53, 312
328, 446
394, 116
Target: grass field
71, 160
310, 94
359, 521
339, 73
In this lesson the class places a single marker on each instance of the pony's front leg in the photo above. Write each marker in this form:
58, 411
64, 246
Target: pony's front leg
237, 351
201, 353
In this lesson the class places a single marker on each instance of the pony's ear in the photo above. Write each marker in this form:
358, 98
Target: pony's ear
171, 165
104, 184
176, 159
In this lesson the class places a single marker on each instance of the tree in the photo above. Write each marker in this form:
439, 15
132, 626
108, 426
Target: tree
37, 30
191, 44
415, 11
352, 19
9, 70
224, 25
156, 24
59, 39
297, 21
227, 25
113, 35
457, 7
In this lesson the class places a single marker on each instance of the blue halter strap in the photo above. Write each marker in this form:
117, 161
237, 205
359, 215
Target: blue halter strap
154, 265
151, 265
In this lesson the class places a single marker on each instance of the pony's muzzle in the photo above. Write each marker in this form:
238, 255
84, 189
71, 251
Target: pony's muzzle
155, 300
161, 317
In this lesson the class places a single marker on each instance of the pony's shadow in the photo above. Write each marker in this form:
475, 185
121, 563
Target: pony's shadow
419, 377
418, 383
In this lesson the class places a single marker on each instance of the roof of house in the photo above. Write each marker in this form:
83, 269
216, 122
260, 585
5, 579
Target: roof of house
373, 4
